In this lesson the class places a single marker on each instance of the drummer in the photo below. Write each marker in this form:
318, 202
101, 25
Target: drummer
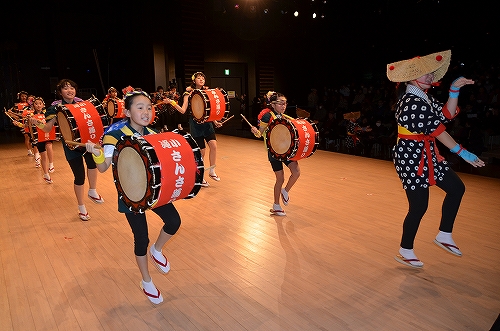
66, 88
200, 132
43, 144
112, 94
25, 109
22, 98
276, 104
138, 110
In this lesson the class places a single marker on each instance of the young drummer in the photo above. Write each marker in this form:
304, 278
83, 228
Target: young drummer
277, 105
44, 140
138, 110
67, 88
25, 109
201, 132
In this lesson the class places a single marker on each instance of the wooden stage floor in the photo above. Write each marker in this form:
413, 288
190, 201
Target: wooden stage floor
328, 265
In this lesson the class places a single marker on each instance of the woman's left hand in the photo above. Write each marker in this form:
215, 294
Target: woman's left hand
461, 81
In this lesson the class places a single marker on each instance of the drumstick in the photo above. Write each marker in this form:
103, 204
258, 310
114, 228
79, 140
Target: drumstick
76, 143
257, 135
227, 119
12, 114
7, 112
14, 121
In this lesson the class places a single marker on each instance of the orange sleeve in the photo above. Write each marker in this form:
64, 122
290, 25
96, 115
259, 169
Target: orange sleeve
440, 129
447, 114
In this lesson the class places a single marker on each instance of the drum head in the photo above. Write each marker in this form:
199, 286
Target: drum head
64, 126
280, 139
198, 106
132, 174
111, 108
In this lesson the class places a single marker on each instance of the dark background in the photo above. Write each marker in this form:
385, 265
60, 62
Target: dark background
353, 42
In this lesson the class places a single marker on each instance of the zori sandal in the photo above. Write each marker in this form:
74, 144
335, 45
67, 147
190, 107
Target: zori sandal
414, 263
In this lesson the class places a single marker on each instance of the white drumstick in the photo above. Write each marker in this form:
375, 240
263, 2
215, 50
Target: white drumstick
76, 143
257, 135
227, 119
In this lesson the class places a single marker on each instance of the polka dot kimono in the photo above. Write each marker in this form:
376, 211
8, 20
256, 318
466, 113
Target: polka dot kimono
419, 114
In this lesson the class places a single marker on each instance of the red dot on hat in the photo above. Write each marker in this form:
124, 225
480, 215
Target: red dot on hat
391, 68
439, 58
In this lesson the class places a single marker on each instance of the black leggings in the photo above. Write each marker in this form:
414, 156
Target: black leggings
78, 169
139, 226
418, 200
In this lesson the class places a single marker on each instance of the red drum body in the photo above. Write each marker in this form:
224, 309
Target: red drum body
26, 113
209, 105
83, 121
154, 170
292, 139
115, 108
20, 106
38, 135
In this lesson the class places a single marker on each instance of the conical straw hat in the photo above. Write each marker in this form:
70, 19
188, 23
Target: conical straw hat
408, 70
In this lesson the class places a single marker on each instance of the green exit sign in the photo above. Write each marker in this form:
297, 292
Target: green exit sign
226, 72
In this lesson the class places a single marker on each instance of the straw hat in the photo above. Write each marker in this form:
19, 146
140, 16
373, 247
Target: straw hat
407, 70
352, 115
302, 113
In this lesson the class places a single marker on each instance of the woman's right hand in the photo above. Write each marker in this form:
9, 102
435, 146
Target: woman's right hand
90, 146
255, 131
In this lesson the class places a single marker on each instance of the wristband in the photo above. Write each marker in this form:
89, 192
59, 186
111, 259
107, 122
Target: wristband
173, 103
457, 149
99, 159
454, 90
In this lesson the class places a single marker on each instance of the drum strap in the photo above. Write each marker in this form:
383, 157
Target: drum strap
126, 130
110, 140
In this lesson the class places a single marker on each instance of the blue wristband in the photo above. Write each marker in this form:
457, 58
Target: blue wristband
455, 149
453, 95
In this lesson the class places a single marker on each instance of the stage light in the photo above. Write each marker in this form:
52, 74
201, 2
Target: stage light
314, 15
296, 14
236, 6
266, 11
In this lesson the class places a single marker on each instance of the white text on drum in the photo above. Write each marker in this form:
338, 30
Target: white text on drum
88, 118
307, 135
217, 101
179, 168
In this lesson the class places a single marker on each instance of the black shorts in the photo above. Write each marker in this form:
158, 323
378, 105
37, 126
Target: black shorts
41, 146
201, 140
276, 164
